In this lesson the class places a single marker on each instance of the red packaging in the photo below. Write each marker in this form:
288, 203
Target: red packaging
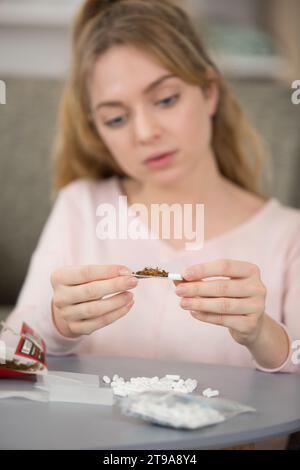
22, 354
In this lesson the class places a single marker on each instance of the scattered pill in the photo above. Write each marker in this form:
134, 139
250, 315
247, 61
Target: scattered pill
213, 393
209, 393
141, 384
173, 377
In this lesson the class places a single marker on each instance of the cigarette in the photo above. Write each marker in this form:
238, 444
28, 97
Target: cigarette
173, 276
156, 272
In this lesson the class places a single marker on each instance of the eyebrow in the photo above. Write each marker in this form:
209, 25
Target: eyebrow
149, 88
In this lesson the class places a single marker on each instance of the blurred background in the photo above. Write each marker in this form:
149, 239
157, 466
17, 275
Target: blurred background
255, 42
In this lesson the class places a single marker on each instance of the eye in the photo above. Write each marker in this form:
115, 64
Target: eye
117, 122
166, 102
170, 100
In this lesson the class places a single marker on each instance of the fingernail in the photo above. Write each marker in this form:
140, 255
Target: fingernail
132, 282
189, 273
185, 303
180, 290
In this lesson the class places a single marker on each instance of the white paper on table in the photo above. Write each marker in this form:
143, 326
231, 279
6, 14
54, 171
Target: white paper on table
59, 386
60, 377
72, 387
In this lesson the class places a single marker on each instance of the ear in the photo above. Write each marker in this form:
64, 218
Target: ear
211, 92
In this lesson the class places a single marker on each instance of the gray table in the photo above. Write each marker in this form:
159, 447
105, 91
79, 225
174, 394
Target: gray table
34, 425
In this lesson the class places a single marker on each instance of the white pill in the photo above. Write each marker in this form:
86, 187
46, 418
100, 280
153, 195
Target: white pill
106, 379
191, 382
133, 380
115, 384
120, 380
169, 382
172, 377
180, 389
213, 393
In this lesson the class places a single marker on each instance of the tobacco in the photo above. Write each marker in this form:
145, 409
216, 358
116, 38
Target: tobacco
153, 272
17, 366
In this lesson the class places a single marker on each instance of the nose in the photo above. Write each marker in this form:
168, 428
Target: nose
146, 126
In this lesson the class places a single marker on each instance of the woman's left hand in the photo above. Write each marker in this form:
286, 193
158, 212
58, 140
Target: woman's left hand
237, 303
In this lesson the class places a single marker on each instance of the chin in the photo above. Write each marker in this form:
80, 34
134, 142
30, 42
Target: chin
167, 178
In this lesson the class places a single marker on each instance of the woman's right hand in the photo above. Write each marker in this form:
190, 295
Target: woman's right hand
78, 306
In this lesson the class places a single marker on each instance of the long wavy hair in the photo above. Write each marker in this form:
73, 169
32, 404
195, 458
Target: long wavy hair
164, 29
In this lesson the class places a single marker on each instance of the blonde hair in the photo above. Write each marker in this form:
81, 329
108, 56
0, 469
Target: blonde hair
165, 30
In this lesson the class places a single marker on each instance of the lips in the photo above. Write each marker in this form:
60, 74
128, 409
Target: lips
158, 156
160, 161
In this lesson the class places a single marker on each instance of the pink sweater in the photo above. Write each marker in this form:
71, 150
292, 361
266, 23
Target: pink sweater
156, 326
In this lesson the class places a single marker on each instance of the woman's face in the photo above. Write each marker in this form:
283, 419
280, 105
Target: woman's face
141, 110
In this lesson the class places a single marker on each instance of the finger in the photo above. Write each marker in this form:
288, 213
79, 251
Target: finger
69, 295
240, 323
180, 282
232, 288
74, 275
87, 327
222, 305
222, 267
94, 309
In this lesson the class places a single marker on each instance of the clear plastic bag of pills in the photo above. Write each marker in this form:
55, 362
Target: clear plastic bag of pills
180, 411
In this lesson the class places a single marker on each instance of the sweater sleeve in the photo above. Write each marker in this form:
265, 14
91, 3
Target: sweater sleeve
290, 307
34, 301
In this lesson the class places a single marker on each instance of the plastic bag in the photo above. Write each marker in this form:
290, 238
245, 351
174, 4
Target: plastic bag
22, 353
16, 388
181, 411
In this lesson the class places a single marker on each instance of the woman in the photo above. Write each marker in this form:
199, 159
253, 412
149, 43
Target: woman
147, 115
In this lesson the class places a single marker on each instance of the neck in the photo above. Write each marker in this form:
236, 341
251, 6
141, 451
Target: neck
203, 184
225, 204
